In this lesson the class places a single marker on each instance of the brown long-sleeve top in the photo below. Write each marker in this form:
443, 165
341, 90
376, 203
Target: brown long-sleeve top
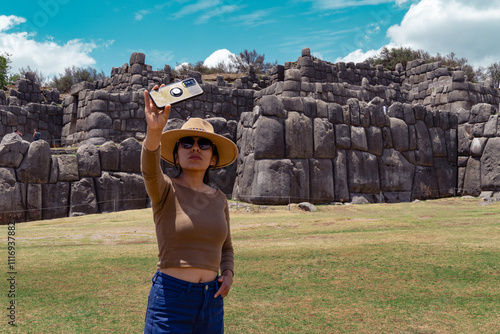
192, 228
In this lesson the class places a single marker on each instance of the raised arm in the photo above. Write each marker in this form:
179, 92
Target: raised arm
156, 119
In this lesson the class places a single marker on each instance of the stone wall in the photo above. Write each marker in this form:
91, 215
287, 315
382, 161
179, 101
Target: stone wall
36, 183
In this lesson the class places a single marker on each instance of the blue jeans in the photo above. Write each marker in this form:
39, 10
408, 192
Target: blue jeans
177, 306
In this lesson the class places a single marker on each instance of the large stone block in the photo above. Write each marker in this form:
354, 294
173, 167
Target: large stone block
271, 182
472, 178
269, 138
298, 136
12, 150
35, 167
99, 120
362, 170
109, 155
396, 173
423, 155
340, 177
120, 191
68, 167
343, 136
321, 181
399, 132
34, 202
271, 105
464, 137
130, 155
12, 203
55, 200
438, 141
82, 198
446, 175
490, 165
481, 112
375, 140
324, 139
89, 164
358, 139
425, 183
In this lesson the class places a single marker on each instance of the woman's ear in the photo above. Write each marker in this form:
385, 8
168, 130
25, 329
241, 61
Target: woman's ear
213, 161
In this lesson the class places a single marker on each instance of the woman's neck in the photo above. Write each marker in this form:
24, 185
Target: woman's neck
193, 180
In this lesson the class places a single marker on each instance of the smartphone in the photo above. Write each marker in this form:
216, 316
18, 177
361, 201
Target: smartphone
175, 92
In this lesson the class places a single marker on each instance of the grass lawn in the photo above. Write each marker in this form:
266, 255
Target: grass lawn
426, 267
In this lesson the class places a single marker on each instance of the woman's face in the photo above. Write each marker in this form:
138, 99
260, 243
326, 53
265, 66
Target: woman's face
195, 153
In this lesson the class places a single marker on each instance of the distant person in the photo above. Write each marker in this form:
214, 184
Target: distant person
18, 132
192, 225
36, 135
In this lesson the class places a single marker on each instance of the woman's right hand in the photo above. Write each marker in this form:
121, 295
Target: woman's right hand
156, 119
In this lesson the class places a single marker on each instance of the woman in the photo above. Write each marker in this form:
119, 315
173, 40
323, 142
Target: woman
192, 225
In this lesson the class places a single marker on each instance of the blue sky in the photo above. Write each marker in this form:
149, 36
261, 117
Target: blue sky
50, 35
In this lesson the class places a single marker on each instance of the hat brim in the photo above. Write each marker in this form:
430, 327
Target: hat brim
226, 149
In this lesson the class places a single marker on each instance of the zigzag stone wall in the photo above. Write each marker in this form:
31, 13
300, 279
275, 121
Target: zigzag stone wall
310, 130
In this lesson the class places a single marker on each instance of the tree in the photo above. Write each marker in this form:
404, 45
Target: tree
494, 72
39, 77
246, 59
4, 69
74, 75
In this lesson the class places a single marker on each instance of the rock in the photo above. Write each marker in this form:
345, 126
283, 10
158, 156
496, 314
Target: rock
358, 139
446, 175
481, 112
425, 183
89, 164
82, 198
342, 136
438, 142
99, 120
490, 165
324, 139
109, 155
130, 155
396, 173
68, 167
374, 140
269, 138
472, 179
298, 136
340, 177
362, 170
306, 206
271, 182
137, 58
271, 105
321, 180
34, 202
423, 155
12, 150
35, 167
399, 134
12, 198
55, 200
120, 191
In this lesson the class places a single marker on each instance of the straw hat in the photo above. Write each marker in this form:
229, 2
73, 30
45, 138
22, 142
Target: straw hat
197, 127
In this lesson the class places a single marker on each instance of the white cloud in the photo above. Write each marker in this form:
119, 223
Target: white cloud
467, 28
140, 14
358, 56
180, 66
219, 56
46, 56
341, 4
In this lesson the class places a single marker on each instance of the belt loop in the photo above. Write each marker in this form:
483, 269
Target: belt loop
189, 287
154, 277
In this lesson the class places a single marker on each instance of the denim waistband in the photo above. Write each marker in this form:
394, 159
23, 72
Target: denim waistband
162, 278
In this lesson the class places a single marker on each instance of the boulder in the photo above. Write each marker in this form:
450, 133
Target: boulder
120, 191
271, 105
34, 202
82, 198
245, 174
362, 170
399, 133
396, 173
12, 197
298, 136
358, 139
481, 112
423, 154
109, 155
324, 139
130, 155
271, 182
472, 178
424, 183
306, 206
35, 167
55, 200
446, 175
299, 182
89, 164
269, 138
374, 140
438, 141
477, 146
340, 177
342, 136
12, 150
68, 167
321, 180
490, 165
99, 120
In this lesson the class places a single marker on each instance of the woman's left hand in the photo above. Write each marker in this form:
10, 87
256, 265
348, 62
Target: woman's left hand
225, 282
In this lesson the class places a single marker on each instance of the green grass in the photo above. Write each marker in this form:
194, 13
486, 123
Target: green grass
427, 267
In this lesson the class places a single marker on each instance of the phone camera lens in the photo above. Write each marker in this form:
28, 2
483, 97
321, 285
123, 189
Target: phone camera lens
176, 92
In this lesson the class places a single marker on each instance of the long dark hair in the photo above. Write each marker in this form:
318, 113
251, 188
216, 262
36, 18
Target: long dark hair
206, 177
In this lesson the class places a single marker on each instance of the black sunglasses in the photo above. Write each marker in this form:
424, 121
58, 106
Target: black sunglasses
188, 142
